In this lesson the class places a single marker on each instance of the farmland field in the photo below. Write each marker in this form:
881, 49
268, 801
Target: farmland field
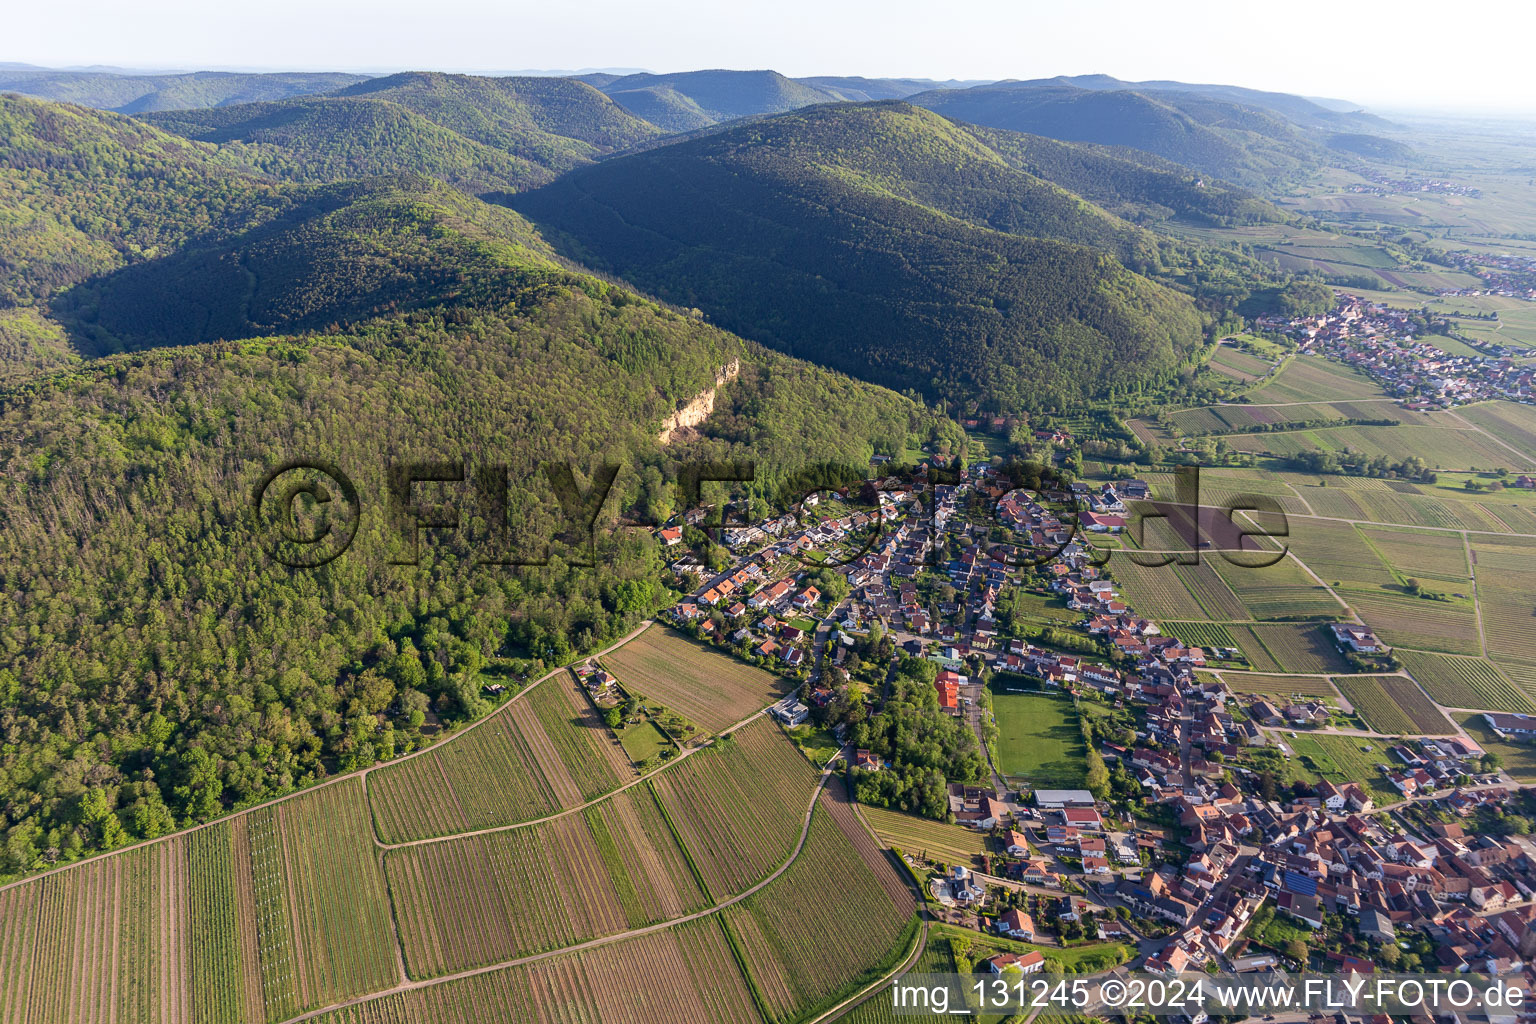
1393, 704
738, 805
923, 837
1281, 687
1156, 592
704, 984
1341, 759
786, 932
1403, 620
1513, 424
100, 941
1289, 647
1200, 634
1279, 591
420, 797
711, 689
1313, 379
1508, 599
1039, 739
1441, 447
258, 917
1465, 682
1236, 363
1427, 553
482, 899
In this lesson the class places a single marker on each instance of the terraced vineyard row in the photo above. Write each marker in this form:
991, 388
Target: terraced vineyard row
1465, 682
704, 985
481, 899
797, 934
1393, 704
738, 806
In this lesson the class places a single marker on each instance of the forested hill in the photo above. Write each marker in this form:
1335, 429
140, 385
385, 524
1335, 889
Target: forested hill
160, 666
1213, 135
692, 99
482, 134
136, 94
890, 243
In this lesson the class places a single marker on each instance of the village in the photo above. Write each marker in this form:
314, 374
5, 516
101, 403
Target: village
1379, 340
1219, 868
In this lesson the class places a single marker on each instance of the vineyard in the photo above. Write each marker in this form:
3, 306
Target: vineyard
1156, 592
710, 689
445, 791
704, 986
1289, 647
1431, 554
923, 837
1279, 591
1465, 682
98, 942
1393, 704
255, 918
821, 929
1509, 608
1404, 620
481, 899
738, 806
1200, 634
592, 755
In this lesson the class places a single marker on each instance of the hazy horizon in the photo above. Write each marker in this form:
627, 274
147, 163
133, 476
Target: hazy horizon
1384, 60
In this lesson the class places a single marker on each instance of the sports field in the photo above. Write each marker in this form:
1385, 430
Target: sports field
1039, 740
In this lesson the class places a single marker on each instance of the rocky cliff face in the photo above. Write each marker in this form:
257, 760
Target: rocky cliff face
699, 407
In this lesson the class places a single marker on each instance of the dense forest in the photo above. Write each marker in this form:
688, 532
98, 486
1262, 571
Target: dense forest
886, 242
344, 270
159, 666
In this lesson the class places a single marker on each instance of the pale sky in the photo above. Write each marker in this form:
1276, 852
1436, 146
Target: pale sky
1405, 55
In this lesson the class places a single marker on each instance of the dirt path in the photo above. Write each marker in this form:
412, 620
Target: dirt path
409, 986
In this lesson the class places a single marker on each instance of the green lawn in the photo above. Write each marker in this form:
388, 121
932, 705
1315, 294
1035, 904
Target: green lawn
817, 744
1039, 739
643, 741
1341, 759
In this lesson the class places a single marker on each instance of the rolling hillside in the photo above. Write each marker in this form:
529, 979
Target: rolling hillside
375, 321
889, 243
1214, 136
483, 134
137, 94
694, 99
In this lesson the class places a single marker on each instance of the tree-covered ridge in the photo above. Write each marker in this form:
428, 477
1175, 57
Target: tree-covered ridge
332, 138
1214, 136
480, 134
813, 232
159, 667
337, 254
85, 191
692, 99
557, 122
1129, 183
136, 94
156, 664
